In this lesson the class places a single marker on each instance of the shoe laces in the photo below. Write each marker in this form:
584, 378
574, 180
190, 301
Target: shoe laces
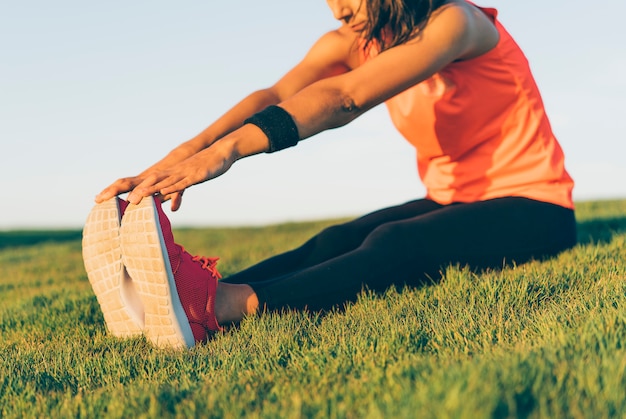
208, 263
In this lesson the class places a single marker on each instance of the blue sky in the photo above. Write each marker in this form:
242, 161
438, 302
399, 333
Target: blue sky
92, 91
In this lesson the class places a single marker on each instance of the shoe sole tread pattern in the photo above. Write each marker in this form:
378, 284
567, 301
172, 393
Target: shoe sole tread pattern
103, 263
146, 259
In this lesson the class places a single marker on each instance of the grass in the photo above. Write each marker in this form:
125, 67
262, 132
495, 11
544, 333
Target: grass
544, 339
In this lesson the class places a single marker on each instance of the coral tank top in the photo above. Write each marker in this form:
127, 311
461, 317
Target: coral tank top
481, 131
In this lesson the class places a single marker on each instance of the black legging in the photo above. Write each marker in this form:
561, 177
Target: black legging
406, 245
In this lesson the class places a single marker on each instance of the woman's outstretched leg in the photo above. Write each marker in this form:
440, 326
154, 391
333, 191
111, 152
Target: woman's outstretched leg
480, 235
330, 243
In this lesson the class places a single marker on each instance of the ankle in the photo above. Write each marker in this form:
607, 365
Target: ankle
233, 302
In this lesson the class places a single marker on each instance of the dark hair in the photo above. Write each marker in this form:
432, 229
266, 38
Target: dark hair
393, 22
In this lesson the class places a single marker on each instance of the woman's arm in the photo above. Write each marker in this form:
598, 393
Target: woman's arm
329, 56
456, 31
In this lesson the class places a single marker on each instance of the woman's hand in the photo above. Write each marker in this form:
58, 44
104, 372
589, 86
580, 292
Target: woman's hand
118, 187
172, 182
127, 184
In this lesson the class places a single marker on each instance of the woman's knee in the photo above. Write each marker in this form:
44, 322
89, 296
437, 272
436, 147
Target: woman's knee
337, 234
395, 240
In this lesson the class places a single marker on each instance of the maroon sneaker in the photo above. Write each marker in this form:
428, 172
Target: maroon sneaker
177, 289
121, 307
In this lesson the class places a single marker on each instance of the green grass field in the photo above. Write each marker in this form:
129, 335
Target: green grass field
544, 339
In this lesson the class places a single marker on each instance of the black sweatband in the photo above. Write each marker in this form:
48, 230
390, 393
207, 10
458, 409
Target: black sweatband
278, 126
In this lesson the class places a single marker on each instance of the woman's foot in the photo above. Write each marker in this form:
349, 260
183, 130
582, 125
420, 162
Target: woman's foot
122, 309
177, 289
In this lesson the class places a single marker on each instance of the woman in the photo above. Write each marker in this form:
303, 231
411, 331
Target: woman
457, 87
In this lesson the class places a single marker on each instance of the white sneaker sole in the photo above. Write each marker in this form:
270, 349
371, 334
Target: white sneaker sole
102, 256
145, 256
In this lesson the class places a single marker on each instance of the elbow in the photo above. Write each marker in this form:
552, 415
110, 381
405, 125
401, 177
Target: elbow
354, 98
341, 109
344, 109
349, 105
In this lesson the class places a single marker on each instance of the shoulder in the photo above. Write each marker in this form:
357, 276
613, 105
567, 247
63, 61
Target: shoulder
460, 12
338, 46
334, 53
465, 25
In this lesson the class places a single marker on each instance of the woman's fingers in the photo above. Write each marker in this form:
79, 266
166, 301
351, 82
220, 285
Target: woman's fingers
170, 183
177, 200
163, 183
120, 186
